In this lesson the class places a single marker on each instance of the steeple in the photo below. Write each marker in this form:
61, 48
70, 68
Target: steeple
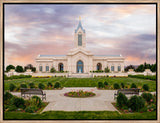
79, 36
79, 26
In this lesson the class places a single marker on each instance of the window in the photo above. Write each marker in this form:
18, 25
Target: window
119, 68
60, 67
40, 68
99, 66
112, 68
79, 39
47, 68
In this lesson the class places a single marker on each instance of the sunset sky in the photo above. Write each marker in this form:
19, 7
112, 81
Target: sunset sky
111, 29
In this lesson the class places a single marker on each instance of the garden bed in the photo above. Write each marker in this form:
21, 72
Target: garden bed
80, 94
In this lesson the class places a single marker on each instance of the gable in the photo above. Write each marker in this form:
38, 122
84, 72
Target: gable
80, 51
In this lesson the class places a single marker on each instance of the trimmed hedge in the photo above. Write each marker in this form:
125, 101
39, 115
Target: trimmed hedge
147, 96
116, 86
133, 85
150, 77
105, 83
23, 86
122, 100
41, 86
136, 103
100, 85
57, 85
122, 85
31, 85
145, 87
12, 87
16, 77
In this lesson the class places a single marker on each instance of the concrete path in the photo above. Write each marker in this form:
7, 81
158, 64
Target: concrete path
58, 102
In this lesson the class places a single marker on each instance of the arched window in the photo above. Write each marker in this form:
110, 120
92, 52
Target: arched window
60, 67
80, 39
47, 68
99, 66
40, 68
119, 68
112, 68
79, 66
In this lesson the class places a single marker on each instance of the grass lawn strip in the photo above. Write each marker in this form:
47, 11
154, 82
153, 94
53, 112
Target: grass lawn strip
82, 82
80, 115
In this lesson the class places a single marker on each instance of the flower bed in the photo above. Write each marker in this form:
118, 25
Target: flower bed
79, 93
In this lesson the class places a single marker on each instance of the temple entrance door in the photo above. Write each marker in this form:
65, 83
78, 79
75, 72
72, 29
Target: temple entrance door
79, 67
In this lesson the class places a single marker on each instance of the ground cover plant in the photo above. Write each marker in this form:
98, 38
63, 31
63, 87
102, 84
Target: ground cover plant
80, 94
82, 82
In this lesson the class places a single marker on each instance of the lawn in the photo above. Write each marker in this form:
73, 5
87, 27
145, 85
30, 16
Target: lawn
82, 82
79, 115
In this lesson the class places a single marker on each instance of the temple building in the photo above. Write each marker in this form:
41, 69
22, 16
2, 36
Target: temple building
79, 59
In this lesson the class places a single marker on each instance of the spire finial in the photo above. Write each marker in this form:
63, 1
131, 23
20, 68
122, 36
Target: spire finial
79, 18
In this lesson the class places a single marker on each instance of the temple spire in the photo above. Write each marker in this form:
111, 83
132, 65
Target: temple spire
79, 26
79, 18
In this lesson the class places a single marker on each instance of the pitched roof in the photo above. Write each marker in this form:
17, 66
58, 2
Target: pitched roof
80, 26
51, 55
109, 55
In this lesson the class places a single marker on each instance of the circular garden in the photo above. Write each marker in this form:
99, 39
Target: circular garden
80, 94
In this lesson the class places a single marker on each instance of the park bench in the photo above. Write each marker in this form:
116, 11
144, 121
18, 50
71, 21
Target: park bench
127, 91
32, 91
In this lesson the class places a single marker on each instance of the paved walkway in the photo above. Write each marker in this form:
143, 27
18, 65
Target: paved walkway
59, 102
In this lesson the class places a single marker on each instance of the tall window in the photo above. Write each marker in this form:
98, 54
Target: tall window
119, 68
60, 67
79, 66
112, 68
47, 68
99, 66
40, 68
79, 39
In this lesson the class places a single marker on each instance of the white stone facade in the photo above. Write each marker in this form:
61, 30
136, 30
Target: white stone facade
79, 59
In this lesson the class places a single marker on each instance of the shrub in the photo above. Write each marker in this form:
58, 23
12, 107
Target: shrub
136, 103
12, 87
116, 86
147, 96
105, 83
100, 85
49, 84
31, 85
53, 70
122, 85
18, 102
41, 86
122, 100
145, 87
57, 85
37, 101
31, 109
133, 85
7, 97
19, 68
106, 70
23, 86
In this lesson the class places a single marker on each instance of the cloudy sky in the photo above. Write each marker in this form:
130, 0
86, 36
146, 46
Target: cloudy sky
32, 29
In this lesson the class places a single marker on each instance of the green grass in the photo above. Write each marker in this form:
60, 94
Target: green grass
80, 115
82, 82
